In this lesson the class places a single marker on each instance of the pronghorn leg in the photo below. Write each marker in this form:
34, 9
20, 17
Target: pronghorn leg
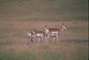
38, 40
42, 39
29, 40
54, 39
47, 39
33, 40
57, 38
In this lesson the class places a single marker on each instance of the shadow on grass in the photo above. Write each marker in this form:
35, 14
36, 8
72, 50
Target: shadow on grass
75, 41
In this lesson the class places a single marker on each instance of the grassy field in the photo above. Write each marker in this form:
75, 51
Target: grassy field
43, 10
18, 17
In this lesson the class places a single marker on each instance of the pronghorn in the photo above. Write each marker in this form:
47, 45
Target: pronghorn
30, 36
38, 34
53, 32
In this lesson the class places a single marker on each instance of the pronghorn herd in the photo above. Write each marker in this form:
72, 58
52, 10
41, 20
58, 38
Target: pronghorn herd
46, 33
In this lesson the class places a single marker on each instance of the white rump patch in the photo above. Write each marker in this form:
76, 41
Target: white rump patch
29, 35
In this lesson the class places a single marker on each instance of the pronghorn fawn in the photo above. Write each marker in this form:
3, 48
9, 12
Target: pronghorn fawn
38, 34
53, 32
29, 36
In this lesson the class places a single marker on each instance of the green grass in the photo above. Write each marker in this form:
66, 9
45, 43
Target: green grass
43, 10
78, 54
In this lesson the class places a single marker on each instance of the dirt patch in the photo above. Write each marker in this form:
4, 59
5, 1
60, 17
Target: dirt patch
63, 41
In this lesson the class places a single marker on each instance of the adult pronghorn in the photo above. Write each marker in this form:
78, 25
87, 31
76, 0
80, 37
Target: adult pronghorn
53, 32
34, 34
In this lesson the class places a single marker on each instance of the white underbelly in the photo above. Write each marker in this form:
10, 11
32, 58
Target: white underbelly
39, 35
54, 33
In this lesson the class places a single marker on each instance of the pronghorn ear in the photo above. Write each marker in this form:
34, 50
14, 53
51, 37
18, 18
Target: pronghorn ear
45, 25
32, 31
62, 24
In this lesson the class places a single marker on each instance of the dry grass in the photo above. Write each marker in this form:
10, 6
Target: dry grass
72, 43
14, 34
18, 17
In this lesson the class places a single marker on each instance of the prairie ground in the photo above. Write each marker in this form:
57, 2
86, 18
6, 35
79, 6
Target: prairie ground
18, 17
14, 44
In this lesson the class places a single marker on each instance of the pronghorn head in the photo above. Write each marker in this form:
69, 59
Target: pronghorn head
64, 27
32, 32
